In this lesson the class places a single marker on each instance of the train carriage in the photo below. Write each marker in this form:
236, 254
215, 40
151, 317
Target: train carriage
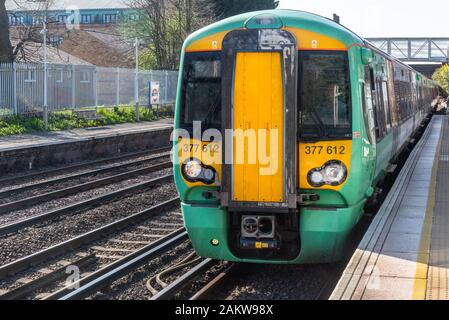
285, 122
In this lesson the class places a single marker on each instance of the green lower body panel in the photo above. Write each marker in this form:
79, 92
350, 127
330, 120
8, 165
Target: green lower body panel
323, 233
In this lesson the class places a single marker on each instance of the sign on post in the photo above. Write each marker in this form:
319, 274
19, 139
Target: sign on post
155, 93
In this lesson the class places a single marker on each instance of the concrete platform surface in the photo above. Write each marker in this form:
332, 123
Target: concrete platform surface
404, 255
74, 135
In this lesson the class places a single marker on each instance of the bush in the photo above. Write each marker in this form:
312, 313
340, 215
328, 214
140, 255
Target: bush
64, 120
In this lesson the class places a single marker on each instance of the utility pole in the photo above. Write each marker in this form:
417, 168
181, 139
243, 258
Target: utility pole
44, 32
136, 82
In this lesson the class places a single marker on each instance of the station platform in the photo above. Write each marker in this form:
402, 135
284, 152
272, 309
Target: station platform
27, 152
404, 255
54, 137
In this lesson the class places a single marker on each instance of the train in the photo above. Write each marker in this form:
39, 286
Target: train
285, 123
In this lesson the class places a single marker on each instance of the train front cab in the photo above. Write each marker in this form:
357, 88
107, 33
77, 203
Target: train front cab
298, 82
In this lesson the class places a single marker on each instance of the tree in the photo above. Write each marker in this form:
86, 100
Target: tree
441, 76
228, 8
5, 43
23, 34
163, 26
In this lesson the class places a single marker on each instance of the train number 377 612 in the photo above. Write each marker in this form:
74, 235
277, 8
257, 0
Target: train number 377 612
315, 150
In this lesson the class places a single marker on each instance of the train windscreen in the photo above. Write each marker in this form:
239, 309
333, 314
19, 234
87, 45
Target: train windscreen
324, 95
201, 90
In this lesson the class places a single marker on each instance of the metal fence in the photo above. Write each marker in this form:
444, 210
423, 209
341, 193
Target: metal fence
78, 86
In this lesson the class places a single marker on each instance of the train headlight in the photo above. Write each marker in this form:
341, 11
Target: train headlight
194, 171
333, 173
316, 179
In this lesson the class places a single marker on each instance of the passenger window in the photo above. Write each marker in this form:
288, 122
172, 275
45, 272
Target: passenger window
386, 106
379, 108
368, 113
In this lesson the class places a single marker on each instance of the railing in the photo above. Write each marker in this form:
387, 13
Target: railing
415, 49
78, 86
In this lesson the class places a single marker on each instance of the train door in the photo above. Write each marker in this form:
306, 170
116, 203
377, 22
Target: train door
259, 108
258, 119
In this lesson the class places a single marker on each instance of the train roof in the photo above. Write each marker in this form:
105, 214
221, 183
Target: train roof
289, 18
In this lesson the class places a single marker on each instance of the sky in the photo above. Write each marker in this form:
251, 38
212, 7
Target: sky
383, 18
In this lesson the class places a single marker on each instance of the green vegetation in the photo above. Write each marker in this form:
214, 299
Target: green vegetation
64, 120
163, 25
441, 76
229, 8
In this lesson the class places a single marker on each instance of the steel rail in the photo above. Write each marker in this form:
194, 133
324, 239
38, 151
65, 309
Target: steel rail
205, 292
21, 264
117, 270
80, 165
24, 203
8, 192
24, 290
171, 290
15, 226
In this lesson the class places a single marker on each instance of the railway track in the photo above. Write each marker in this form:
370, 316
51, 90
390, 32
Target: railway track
19, 202
28, 211
176, 287
104, 277
63, 170
73, 208
122, 242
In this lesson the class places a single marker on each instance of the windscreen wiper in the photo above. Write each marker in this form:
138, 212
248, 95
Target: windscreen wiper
320, 125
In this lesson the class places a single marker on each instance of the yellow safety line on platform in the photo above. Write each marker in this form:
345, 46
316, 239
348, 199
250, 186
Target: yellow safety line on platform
422, 267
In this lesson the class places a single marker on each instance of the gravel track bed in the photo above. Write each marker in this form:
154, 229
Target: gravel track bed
132, 286
269, 282
36, 238
73, 182
78, 197
168, 216
200, 282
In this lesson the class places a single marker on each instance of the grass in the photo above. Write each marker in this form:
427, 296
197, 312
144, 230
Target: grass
64, 120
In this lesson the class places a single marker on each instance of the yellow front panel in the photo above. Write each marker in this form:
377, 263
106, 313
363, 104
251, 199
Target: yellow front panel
315, 155
258, 112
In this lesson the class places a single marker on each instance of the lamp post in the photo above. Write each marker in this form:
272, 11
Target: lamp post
44, 32
136, 81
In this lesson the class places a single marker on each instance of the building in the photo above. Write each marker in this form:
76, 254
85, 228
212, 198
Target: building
76, 12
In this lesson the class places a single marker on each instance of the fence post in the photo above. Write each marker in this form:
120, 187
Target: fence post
136, 83
166, 86
14, 88
73, 86
118, 88
136, 96
95, 84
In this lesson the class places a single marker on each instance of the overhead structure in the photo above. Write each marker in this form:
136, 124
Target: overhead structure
415, 49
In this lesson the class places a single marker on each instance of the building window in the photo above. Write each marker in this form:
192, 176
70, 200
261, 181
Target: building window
85, 76
62, 19
110, 18
37, 20
86, 19
133, 17
14, 20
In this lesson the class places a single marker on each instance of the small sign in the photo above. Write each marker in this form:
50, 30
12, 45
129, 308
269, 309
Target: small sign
155, 92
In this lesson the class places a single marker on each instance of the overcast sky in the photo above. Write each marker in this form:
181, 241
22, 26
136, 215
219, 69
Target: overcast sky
383, 18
